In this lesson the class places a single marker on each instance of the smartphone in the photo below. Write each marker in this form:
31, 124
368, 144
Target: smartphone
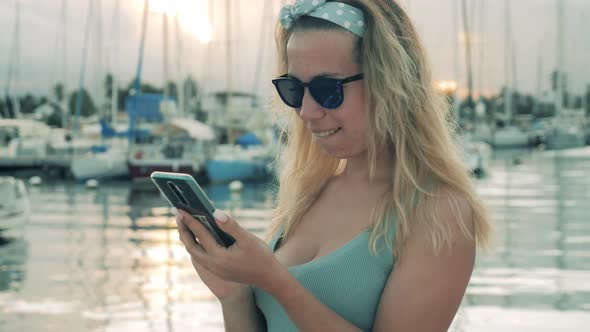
183, 192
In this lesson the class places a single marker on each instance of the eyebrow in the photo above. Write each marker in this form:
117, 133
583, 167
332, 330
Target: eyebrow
321, 75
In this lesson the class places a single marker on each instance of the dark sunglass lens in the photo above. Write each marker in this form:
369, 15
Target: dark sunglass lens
327, 92
290, 91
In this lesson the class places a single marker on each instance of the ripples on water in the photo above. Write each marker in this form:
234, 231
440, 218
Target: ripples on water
537, 277
109, 259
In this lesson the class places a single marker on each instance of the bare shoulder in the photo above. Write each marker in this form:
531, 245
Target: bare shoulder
442, 223
452, 210
427, 284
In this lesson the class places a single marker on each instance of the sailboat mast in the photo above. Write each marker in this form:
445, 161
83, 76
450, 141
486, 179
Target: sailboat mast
180, 86
14, 63
206, 64
482, 37
539, 79
507, 61
17, 60
468, 59
559, 73
261, 47
455, 47
136, 84
113, 64
165, 54
540, 71
64, 44
64, 77
514, 56
582, 61
99, 70
83, 67
228, 66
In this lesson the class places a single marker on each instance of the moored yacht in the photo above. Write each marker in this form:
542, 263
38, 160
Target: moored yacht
23, 143
15, 207
180, 145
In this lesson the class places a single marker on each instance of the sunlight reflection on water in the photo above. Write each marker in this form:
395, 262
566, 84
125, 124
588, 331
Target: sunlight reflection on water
110, 259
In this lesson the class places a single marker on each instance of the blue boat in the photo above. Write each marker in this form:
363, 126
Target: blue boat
247, 160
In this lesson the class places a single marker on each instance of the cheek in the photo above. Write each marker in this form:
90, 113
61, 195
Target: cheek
358, 100
358, 114
357, 126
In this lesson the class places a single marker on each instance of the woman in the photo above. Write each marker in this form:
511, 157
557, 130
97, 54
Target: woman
377, 220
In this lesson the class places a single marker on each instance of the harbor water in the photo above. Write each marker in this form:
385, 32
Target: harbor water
109, 258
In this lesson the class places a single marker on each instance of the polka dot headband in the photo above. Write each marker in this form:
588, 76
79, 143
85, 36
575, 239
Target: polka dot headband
346, 16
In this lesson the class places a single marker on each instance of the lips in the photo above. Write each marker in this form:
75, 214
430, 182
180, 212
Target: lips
326, 133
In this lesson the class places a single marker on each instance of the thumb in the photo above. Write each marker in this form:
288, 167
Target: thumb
228, 224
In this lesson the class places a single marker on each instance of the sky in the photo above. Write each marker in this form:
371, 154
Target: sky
116, 48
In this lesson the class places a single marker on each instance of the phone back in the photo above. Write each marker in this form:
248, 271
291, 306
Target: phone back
183, 192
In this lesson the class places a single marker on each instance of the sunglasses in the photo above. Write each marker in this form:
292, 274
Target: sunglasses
327, 92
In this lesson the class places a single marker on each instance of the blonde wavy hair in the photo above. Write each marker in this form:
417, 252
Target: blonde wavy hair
407, 118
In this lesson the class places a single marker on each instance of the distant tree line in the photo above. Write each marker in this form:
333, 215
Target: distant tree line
29, 102
522, 104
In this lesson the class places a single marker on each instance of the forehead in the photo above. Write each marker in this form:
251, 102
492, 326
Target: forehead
314, 52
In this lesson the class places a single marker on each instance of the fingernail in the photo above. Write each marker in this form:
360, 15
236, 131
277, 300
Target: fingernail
220, 216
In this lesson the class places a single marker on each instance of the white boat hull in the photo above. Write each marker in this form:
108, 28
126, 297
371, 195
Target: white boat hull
100, 166
565, 139
15, 206
510, 138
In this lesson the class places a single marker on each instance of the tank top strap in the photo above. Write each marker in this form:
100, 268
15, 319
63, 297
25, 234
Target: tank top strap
276, 239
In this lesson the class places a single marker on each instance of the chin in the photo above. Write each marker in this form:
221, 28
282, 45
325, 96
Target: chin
343, 153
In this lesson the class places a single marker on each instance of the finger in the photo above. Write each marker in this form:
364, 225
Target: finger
229, 225
185, 234
196, 251
206, 240
201, 269
188, 239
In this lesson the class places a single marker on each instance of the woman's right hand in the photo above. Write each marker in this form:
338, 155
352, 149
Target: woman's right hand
225, 291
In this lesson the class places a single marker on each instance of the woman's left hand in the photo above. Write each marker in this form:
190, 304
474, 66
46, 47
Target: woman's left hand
248, 261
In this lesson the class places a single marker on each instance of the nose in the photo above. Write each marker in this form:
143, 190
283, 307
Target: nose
310, 109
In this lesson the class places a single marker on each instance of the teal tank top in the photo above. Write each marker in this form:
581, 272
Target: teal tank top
349, 280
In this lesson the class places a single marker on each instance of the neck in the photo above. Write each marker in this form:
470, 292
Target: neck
357, 169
